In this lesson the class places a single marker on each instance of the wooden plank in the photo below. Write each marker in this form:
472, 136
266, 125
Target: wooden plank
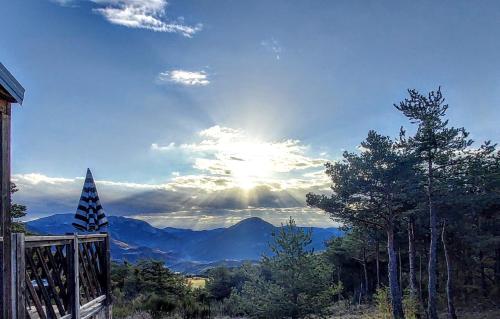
13, 276
107, 272
18, 276
90, 236
48, 238
45, 243
5, 217
93, 302
89, 309
91, 240
14, 90
93, 312
73, 280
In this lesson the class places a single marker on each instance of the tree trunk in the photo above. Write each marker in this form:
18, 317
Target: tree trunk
497, 267
394, 290
378, 263
483, 275
420, 281
365, 270
411, 259
339, 296
449, 287
432, 269
400, 269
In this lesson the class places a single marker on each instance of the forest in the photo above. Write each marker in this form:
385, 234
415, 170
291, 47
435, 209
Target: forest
421, 214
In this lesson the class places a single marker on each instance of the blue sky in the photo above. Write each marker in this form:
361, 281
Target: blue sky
200, 113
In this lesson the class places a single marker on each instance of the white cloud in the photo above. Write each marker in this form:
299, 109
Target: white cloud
188, 78
273, 46
36, 178
233, 176
209, 219
140, 14
64, 3
156, 147
227, 157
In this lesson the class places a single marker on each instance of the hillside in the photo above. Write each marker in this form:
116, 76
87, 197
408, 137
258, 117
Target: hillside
183, 250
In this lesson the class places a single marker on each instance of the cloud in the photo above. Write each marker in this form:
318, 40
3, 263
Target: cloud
64, 3
186, 199
156, 147
227, 157
273, 46
35, 178
232, 176
187, 78
209, 219
140, 14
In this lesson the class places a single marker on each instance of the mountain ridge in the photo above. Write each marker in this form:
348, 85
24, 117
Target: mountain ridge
183, 249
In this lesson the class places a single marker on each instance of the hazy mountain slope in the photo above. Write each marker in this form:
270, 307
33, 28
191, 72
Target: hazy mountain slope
183, 249
128, 230
247, 239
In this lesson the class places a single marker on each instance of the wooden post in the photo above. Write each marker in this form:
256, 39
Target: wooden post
18, 276
107, 270
5, 112
73, 280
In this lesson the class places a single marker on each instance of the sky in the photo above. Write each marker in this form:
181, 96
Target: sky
198, 114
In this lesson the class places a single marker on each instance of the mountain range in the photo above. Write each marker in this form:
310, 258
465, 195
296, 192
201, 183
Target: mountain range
184, 250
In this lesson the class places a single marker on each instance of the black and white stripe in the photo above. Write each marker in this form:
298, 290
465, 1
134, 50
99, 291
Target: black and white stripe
89, 214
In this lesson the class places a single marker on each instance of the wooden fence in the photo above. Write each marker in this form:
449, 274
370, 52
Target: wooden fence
60, 276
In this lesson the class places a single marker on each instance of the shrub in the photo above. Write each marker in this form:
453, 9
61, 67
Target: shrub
383, 303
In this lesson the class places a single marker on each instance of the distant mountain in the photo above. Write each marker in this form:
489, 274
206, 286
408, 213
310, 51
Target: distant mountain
184, 250
248, 239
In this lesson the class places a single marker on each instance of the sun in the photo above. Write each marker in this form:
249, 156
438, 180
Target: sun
239, 160
249, 163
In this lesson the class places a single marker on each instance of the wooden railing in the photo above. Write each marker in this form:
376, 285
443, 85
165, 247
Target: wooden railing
60, 276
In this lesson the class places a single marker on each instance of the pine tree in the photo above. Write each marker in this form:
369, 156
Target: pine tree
437, 145
371, 190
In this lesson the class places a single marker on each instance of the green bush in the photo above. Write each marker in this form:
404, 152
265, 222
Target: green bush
383, 303
411, 306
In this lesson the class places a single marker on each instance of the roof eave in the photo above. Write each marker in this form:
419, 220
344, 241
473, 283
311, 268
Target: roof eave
14, 90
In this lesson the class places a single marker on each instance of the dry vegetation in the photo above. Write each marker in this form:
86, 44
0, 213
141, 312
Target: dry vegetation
197, 282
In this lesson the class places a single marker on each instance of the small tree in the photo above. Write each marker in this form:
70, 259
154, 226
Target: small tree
17, 211
292, 283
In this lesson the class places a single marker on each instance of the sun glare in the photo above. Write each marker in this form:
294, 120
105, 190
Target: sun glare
239, 160
249, 163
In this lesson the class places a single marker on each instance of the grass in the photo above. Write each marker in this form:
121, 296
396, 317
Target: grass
197, 282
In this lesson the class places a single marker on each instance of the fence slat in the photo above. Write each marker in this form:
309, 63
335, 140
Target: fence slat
57, 276
84, 275
50, 281
74, 281
36, 300
91, 266
107, 272
40, 284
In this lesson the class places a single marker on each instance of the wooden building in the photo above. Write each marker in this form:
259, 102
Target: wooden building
46, 276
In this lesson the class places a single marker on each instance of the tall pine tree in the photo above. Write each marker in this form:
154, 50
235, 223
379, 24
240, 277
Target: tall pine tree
371, 190
437, 145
